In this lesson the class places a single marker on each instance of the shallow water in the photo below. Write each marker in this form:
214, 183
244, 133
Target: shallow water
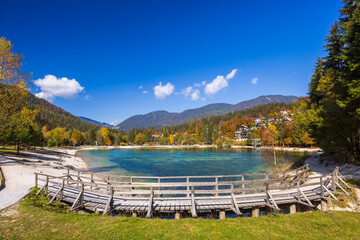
191, 162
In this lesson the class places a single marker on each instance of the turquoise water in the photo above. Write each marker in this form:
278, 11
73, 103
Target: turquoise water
183, 162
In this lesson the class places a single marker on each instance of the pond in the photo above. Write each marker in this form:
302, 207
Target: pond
185, 162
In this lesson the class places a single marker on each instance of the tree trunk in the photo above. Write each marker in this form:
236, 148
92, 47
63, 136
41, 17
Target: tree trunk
17, 147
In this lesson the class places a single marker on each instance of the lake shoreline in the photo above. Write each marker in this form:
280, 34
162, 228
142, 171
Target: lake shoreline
196, 146
88, 158
19, 169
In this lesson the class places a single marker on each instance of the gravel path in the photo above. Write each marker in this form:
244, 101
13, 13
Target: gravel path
17, 182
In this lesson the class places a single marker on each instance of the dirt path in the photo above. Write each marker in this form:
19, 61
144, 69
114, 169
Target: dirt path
19, 170
15, 186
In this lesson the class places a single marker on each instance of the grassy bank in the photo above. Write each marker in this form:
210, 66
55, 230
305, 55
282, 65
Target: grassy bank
33, 219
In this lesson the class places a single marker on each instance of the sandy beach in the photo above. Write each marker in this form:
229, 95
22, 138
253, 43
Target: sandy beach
19, 170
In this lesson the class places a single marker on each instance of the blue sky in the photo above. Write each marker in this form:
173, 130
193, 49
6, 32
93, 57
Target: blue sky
104, 59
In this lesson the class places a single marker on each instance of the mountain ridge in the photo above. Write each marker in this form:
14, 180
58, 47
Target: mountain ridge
89, 120
162, 118
54, 116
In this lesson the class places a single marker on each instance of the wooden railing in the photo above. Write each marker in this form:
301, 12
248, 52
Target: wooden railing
268, 187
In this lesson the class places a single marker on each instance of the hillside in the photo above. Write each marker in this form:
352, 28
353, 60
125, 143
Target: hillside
160, 119
54, 116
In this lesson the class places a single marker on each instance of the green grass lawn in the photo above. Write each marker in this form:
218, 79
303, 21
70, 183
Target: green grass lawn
33, 219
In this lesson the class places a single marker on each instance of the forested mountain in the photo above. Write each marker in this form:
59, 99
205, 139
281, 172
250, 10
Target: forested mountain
160, 119
54, 116
102, 124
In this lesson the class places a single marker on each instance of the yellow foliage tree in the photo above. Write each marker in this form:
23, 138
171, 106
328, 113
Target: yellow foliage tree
171, 139
13, 87
307, 140
140, 139
105, 134
77, 138
274, 133
13, 81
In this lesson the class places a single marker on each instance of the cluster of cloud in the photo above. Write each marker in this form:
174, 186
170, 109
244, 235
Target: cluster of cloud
193, 92
162, 91
219, 83
52, 87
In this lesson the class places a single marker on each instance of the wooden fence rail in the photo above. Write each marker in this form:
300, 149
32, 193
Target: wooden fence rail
188, 193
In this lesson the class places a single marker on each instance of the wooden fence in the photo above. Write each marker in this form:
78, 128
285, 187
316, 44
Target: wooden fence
194, 194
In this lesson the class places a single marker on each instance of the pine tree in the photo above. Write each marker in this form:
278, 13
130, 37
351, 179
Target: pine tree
335, 87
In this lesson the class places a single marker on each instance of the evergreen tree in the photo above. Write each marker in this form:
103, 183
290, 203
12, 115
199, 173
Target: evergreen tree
335, 88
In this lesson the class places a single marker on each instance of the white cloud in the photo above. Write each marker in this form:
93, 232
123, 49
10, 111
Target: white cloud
161, 91
219, 83
254, 80
115, 122
144, 92
52, 87
187, 91
87, 97
140, 87
231, 75
197, 85
203, 83
195, 95
45, 95
216, 85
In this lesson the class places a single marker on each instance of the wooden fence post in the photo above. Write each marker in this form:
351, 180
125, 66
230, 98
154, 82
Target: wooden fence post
267, 192
78, 178
216, 186
62, 190
188, 187
91, 181
110, 204
298, 190
193, 203
255, 212
68, 173
243, 184
322, 187
46, 185
36, 180
151, 202
82, 195
293, 208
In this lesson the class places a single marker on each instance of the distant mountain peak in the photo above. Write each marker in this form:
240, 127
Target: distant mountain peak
162, 118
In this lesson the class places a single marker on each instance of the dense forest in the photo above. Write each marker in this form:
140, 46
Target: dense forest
335, 88
276, 128
53, 116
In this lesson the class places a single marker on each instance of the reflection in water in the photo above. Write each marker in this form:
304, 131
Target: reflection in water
192, 162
